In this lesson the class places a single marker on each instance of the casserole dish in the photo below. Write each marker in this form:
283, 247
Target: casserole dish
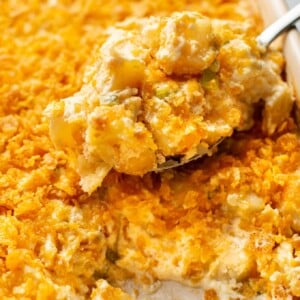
224, 227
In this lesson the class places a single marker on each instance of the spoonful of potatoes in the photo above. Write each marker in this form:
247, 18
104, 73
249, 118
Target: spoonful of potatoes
162, 91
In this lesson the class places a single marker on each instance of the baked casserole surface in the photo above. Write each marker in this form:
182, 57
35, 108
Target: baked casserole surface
227, 224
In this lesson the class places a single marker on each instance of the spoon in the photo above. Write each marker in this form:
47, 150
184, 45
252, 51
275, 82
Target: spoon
264, 39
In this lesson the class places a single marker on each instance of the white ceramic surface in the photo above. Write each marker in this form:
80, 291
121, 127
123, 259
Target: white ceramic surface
270, 11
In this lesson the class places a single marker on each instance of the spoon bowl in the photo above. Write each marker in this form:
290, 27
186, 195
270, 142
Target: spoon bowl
264, 40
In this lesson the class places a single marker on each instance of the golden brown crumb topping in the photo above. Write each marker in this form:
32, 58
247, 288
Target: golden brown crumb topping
229, 224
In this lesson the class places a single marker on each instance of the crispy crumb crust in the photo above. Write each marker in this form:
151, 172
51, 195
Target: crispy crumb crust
58, 243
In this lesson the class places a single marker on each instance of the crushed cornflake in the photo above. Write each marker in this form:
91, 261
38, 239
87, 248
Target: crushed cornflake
227, 224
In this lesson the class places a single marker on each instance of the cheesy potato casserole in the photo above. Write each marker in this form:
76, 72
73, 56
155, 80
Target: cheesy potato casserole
125, 84
164, 87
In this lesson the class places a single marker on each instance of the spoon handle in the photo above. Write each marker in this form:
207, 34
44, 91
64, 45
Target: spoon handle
274, 30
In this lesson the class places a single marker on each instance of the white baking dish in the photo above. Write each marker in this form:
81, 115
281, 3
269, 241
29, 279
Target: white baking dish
270, 11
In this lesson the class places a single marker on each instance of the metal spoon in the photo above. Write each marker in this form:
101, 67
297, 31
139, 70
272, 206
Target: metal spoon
283, 23
264, 39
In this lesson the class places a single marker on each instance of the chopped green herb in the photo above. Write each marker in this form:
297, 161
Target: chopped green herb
209, 79
162, 91
215, 66
208, 75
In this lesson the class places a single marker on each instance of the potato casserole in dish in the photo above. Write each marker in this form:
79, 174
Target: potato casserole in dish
95, 95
